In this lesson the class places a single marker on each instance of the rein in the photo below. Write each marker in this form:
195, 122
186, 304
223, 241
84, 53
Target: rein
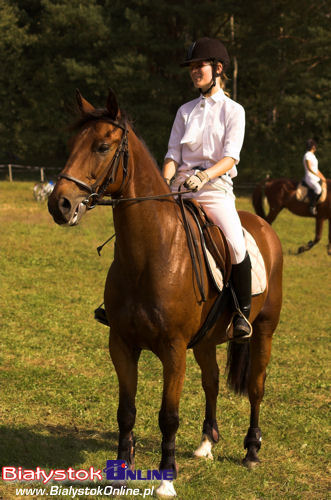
115, 201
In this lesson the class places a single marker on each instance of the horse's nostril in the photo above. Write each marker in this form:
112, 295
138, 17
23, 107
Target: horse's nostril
64, 205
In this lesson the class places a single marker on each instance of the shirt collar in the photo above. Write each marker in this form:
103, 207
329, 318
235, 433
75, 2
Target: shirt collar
217, 97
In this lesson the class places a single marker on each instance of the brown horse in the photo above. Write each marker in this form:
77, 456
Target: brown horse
281, 193
151, 296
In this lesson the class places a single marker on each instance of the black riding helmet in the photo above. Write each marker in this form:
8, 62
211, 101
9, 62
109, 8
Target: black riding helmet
208, 49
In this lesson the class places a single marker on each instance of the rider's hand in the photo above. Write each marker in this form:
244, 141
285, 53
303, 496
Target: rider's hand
197, 181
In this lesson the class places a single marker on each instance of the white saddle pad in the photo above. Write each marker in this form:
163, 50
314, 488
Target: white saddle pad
259, 278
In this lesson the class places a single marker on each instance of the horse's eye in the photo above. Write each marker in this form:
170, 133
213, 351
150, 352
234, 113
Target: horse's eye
103, 148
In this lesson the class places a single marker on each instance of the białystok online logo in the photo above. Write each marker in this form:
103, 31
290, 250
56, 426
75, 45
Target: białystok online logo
118, 470
115, 470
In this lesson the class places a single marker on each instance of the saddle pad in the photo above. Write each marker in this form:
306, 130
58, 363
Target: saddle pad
259, 279
302, 193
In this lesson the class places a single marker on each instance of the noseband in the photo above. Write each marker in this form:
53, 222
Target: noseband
97, 189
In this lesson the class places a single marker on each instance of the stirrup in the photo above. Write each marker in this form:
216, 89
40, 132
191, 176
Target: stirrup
244, 337
100, 315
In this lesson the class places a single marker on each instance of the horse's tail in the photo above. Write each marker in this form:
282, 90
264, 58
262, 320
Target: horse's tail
257, 199
238, 367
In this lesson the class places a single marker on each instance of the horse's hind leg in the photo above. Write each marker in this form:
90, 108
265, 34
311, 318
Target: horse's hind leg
273, 212
173, 358
125, 360
318, 230
260, 350
206, 358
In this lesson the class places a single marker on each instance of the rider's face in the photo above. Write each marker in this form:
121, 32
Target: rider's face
201, 73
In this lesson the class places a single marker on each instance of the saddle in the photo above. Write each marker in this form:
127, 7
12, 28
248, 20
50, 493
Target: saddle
218, 262
302, 192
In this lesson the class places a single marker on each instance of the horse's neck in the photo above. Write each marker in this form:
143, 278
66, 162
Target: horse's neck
144, 177
144, 227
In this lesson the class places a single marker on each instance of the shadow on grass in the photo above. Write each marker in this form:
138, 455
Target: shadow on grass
52, 446
231, 460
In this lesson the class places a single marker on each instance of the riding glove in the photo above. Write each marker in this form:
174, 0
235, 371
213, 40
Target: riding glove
197, 181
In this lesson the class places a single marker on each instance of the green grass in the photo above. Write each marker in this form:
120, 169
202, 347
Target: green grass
59, 389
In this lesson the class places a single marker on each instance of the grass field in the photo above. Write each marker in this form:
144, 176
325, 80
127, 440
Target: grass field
59, 389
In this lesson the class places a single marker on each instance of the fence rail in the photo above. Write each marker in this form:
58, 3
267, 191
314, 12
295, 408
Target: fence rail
24, 168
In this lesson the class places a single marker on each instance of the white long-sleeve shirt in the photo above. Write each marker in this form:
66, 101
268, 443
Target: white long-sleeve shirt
206, 130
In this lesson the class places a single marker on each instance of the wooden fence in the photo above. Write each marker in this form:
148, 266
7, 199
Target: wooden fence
11, 168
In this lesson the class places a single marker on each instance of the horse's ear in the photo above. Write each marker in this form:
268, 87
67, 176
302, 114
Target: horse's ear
112, 105
84, 106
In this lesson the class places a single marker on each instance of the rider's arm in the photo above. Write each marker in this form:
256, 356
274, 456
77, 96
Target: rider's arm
318, 173
233, 141
169, 169
221, 167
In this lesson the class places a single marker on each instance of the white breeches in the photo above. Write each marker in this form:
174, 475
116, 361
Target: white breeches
221, 209
314, 184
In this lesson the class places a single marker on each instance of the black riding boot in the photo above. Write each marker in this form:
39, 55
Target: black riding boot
313, 199
241, 280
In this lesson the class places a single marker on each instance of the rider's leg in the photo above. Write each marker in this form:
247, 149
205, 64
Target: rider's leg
241, 279
221, 209
314, 192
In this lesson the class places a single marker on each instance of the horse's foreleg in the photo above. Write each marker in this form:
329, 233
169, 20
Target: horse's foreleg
260, 354
206, 358
318, 234
125, 360
173, 358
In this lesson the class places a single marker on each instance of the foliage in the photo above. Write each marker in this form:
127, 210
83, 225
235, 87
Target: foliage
50, 47
59, 388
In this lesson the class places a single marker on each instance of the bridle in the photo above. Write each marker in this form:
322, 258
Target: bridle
98, 188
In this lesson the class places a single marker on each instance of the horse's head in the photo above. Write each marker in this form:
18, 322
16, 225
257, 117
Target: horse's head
97, 163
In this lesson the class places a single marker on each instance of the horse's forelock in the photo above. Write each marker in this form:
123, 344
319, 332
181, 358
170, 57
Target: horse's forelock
99, 114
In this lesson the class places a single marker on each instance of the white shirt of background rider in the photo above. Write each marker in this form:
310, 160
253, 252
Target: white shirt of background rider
205, 130
311, 174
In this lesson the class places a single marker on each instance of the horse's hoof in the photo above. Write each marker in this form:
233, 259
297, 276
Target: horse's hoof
251, 463
204, 450
166, 489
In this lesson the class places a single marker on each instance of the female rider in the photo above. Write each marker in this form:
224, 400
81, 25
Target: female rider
203, 151
313, 176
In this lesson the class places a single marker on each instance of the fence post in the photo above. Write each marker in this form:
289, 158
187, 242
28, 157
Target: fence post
10, 173
42, 174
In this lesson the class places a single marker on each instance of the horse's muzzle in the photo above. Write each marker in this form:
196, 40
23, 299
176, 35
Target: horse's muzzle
66, 210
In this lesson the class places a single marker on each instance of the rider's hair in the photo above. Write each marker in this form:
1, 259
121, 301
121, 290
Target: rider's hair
223, 81
310, 144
